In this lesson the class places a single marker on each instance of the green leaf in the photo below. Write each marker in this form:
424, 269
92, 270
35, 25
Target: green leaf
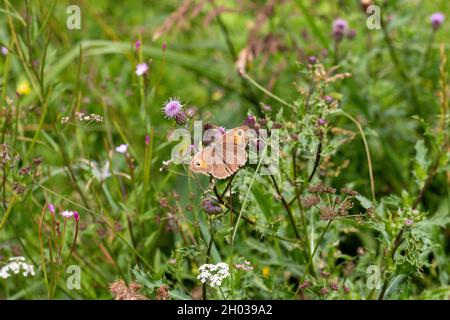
366, 203
421, 164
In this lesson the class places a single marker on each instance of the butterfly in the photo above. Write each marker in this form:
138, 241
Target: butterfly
224, 156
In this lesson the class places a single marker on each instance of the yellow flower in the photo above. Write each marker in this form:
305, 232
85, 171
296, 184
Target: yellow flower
265, 271
23, 87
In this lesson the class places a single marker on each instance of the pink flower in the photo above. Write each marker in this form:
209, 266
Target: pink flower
172, 108
340, 27
437, 19
4, 51
246, 266
76, 215
51, 208
141, 69
137, 44
147, 139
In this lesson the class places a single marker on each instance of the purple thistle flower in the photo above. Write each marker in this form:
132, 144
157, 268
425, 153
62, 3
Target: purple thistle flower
172, 108
181, 118
328, 99
250, 121
321, 122
312, 60
437, 19
340, 27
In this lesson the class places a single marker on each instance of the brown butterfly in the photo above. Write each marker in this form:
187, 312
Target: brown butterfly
224, 156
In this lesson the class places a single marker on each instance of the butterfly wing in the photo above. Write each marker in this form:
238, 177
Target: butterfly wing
225, 156
232, 146
202, 161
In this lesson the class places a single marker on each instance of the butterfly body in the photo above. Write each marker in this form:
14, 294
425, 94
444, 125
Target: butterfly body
223, 157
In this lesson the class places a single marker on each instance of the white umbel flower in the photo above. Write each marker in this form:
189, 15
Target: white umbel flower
213, 274
15, 266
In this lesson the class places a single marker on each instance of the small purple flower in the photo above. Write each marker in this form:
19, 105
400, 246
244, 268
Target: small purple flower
141, 69
340, 27
164, 46
340, 24
328, 99
51, 208
172, 108
321, 122
210, 208
408, 222
312, 60
305, 284
437, 19
324, 291
334, 286
250, 121
4, 51
147, 139
137, 44
76, 215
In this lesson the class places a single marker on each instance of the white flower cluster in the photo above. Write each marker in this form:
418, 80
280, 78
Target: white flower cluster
213, 273
88, 117
81, 116
15, 266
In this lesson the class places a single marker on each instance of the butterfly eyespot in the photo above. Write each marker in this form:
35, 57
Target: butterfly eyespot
197, 164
